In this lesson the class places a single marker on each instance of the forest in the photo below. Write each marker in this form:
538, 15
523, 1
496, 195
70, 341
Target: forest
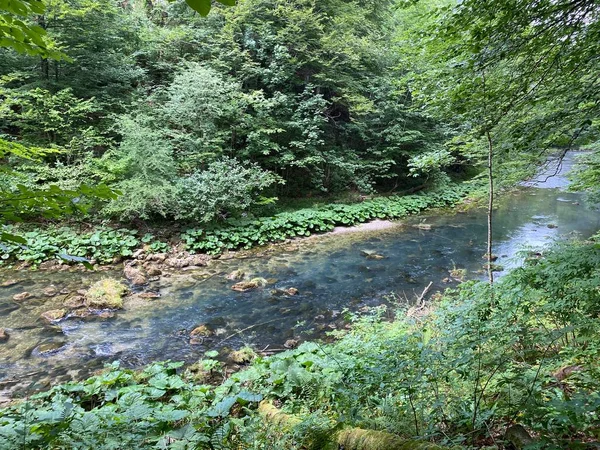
149, 137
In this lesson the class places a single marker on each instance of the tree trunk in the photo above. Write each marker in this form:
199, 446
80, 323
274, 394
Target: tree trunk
490, 206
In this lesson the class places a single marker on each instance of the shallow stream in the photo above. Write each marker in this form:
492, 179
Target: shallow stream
331, 273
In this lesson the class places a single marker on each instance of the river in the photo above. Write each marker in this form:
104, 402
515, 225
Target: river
330, 272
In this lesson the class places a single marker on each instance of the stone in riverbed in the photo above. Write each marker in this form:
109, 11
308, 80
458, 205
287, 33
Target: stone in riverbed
201, 331
244, 286
423, 226
153, 271
236, 275
50, 291
3, 335
291, 343
81, 313
10, 282
105, 294
291, 291
134, 275
149, 295
48, 348
54, 315
22, 296
75, 301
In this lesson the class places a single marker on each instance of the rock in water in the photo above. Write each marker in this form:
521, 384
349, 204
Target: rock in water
135, 276
75, 301
201, 331
50, 291
291, 343
105, 294
22, 296
244, 286
236, 275
9, 282
54, 315
3, 335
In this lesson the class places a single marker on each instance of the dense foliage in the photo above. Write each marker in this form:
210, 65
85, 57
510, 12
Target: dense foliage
459, 375
159, 103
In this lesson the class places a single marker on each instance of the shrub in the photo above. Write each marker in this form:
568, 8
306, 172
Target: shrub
225, 188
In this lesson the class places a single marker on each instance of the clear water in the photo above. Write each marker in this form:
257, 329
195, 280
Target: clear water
330, 273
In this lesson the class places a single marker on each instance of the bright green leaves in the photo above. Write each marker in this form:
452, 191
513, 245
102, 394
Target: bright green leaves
18, 33
203, 6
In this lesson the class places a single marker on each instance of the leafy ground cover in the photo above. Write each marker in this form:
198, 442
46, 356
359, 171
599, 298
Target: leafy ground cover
462, 375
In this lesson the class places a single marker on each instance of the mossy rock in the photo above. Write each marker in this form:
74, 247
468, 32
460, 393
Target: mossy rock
359, 439
105, 294
254, 283
242, 356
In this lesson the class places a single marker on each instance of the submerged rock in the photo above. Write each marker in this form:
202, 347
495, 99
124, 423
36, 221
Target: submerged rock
105, 294
423, 226
254, 283
236, 275
50, 291
22, 296
54, 315
371, 254
10, 282
149, 295
48, 348
201, 331
291, 291
75, 301
134, 275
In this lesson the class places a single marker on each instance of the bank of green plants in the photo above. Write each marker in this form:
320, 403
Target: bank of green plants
247, 233
458, 376
103, 244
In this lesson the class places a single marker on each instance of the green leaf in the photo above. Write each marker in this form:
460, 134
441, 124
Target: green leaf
202, 7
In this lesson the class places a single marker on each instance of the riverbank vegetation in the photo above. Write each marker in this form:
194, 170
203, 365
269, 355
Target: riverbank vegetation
104, 245
465, 373
139, 115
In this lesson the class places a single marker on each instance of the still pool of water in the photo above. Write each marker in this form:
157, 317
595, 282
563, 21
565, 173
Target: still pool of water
330, 272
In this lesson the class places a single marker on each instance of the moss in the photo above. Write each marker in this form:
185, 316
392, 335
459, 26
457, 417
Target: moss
276, 418
105, 294
242, 356
359, 439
